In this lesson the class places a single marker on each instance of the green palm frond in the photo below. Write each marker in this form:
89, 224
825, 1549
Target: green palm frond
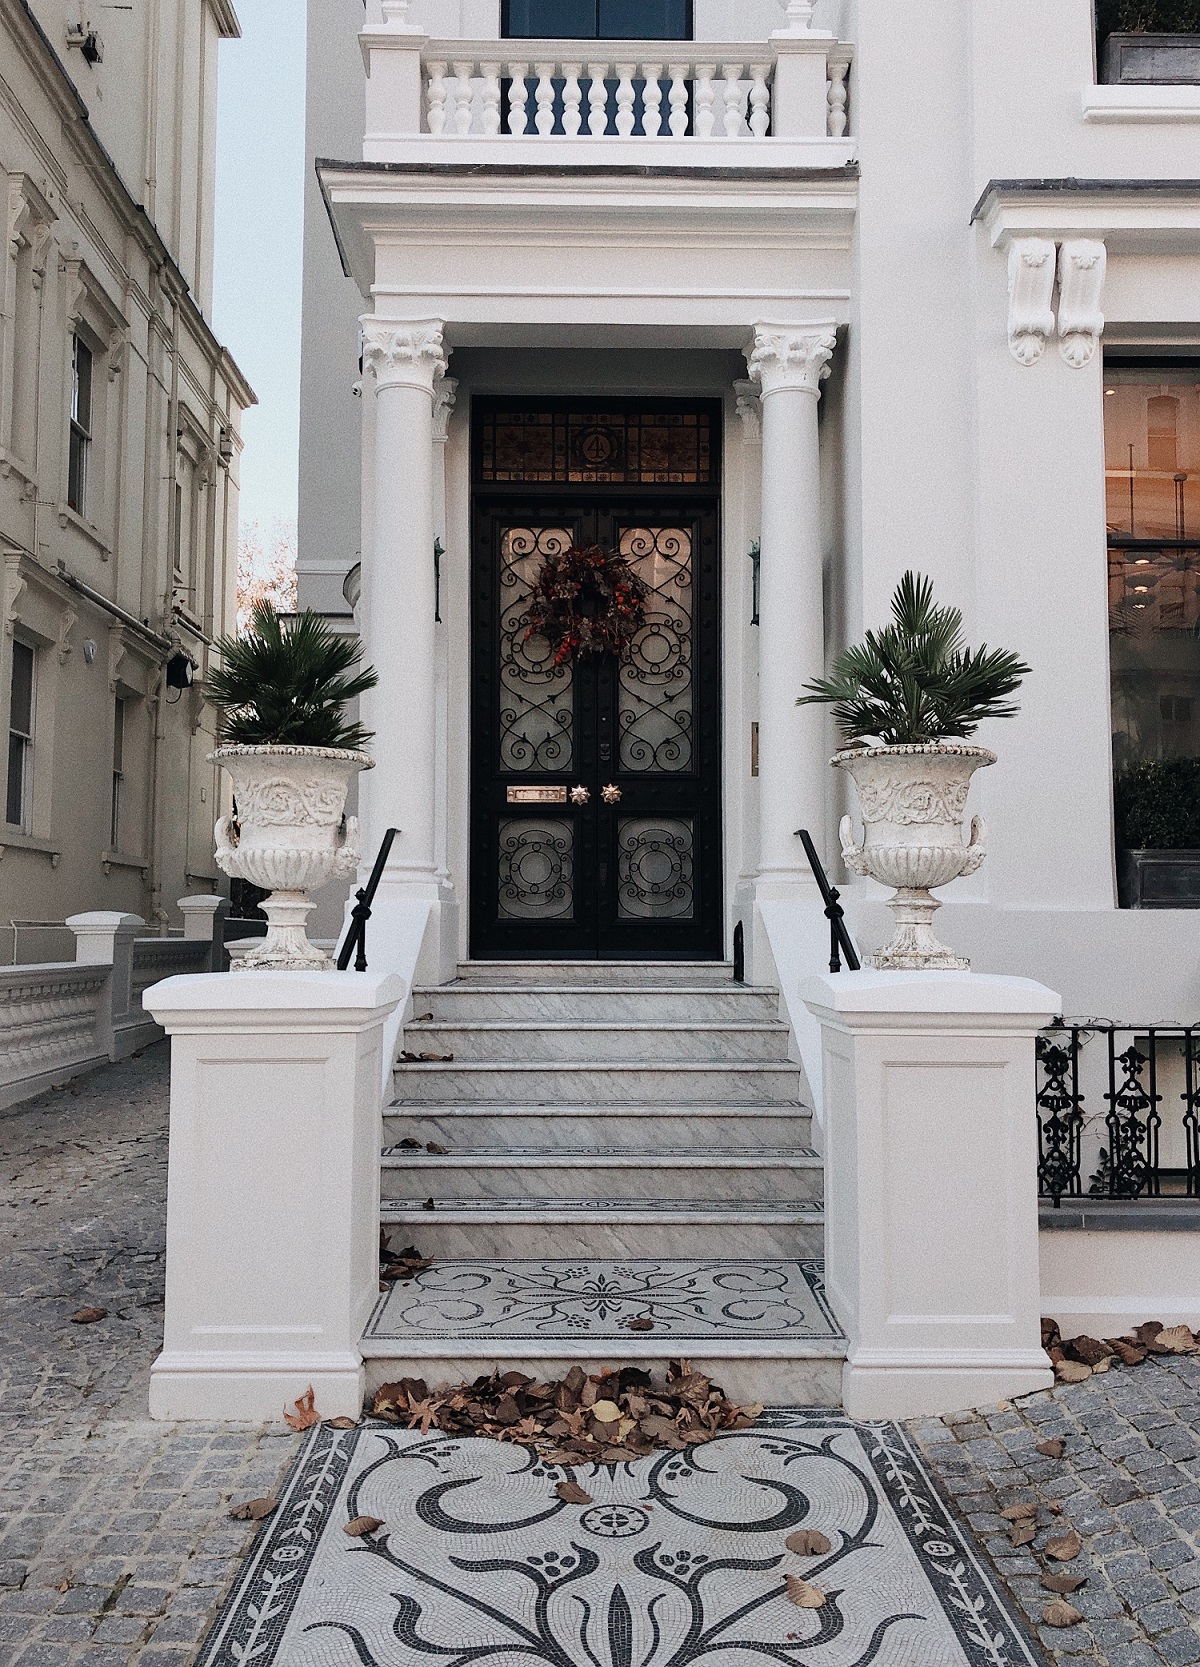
915, 680
286, 683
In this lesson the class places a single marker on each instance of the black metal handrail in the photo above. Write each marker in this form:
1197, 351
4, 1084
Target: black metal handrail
839, 938
360, 914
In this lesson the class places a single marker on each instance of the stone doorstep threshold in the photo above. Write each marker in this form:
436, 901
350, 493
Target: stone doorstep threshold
1092, 1215
677, 1558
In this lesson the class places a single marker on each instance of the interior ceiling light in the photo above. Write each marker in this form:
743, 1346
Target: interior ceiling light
1109, 392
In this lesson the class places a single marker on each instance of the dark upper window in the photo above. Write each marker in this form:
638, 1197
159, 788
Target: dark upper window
614, 20
81, 425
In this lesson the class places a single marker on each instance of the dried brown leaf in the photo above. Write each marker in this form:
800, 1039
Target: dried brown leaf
1020, 1533
608, 1412
641, 1322
1176, 1339
1147, 1331
438, 1151
1129, 1354
573, 1494
254, 1510
1064, 1547
1060, 1613
1053, 1449
358, 1526
1063, 1582
429, 1204
342, 1423
1020, 1513
1072, 1371
809, 1542
305, 1415
1090, 1350
88, 1316
802, 1593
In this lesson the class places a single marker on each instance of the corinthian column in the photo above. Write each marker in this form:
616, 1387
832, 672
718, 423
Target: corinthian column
788, 363
404, 360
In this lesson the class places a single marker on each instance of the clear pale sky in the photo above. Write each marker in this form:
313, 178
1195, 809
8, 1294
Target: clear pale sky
259, 241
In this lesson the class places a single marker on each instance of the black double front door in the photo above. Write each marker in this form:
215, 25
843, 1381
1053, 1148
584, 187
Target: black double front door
596, 825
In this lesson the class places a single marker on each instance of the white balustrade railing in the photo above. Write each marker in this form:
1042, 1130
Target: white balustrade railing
48, 1023
624, 89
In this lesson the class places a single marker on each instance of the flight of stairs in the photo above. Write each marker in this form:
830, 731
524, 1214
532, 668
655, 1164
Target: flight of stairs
620, 1140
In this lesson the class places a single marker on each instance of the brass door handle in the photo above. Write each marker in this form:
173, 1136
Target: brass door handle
611, 794
580, 795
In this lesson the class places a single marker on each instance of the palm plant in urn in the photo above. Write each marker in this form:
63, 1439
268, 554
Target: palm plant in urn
281, 690
905, 700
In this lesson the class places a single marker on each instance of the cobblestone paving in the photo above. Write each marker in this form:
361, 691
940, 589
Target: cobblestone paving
1129, 1483
115, 1544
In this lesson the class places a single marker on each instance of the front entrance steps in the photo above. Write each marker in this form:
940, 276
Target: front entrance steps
622, 1142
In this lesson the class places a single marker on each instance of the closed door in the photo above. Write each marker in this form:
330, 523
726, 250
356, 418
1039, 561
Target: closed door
596, 783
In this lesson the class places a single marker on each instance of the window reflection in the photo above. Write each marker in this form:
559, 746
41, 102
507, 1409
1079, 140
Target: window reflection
1152, 472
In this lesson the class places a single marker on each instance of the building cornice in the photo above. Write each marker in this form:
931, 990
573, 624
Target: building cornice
1129, 216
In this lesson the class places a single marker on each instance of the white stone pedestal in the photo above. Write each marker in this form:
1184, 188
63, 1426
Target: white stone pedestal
273, 1189
931, 1258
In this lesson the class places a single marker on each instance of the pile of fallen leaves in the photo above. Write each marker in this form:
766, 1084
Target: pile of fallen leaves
610, 1417
1077, 1358
400, 1266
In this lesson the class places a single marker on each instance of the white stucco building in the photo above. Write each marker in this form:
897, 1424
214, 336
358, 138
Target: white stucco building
120, 420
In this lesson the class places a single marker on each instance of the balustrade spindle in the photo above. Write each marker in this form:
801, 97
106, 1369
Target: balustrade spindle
491, 98
544, 120
734, 100
625, 97
518, 96
464, 98
572, 98
651, 100
837, 99
436, 111
677, 99
597, 100
705, 94
760, 101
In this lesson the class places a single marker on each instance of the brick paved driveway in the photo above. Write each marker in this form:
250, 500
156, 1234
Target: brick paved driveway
115, 1545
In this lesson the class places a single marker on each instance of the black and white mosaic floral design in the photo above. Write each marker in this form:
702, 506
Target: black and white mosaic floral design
678, 1561
688, 1301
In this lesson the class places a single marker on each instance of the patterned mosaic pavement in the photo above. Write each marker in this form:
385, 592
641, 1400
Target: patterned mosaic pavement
675, 1560
688, 1301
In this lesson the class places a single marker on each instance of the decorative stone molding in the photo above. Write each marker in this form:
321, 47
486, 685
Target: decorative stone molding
1082, 263
749, 409
1030, 297
404, 355
67, 623
14, 585
445, 392
791, 357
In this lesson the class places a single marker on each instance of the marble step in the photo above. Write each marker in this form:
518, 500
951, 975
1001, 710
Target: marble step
611, 1226
537, 1039
594, 1003
749, 1175
762, 1328
638, 974
583, 1082
711, 1129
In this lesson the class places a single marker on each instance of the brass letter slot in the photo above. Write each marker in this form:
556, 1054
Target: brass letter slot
537, 795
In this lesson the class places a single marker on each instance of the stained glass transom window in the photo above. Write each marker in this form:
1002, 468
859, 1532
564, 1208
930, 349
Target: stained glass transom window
600, 446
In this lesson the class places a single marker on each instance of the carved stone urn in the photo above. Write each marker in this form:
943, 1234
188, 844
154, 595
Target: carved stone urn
912, 801
289, 835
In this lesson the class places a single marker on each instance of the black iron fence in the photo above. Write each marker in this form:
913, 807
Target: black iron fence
1118, 1111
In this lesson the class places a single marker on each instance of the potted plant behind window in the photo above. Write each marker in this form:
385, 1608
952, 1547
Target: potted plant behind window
905, 699
1149, 42
1157, 806
281, 690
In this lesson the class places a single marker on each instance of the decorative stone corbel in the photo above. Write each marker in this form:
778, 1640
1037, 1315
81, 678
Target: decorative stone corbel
70, 264
14, 584
118, 347
749, 409
67, 622
1030, 297
1082, 263
445, 392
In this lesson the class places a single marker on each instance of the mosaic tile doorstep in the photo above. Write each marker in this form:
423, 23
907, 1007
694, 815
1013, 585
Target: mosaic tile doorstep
689, 1301
677, 1561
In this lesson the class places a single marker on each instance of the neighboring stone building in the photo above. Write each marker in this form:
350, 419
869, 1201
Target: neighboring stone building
120, 415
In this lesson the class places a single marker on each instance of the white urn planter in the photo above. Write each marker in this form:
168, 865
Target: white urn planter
288, 837
912, 801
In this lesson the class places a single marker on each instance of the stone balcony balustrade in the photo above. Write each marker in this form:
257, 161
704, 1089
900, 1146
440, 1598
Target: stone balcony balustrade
766, 103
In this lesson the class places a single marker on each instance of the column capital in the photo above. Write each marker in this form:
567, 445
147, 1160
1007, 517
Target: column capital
784, 357
403, 353
445, 392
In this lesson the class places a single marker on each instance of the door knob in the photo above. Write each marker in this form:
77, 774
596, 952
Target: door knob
580, 795
610, 794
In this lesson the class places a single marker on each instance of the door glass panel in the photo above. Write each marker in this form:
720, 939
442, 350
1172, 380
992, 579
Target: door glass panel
601, 447
655, 697
603, 19
654, 868
536, 696
537, 863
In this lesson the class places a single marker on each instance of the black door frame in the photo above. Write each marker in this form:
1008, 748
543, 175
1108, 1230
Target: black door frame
595, 920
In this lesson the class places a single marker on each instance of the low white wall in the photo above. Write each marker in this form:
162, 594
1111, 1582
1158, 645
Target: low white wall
49, 1026
1104, 1283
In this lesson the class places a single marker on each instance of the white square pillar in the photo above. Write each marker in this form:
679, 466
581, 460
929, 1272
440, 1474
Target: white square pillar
105, 937
931, 1257
272, 1190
